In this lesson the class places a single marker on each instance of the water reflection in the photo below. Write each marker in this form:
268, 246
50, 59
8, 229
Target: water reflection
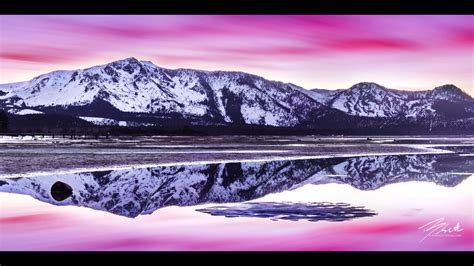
313, 212
142, 191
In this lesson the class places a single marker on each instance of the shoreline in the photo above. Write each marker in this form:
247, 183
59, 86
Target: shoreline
422, 150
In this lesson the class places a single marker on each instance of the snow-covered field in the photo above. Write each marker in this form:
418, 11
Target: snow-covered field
43, 155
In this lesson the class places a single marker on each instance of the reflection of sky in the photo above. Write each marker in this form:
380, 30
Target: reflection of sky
28, 224
409, 52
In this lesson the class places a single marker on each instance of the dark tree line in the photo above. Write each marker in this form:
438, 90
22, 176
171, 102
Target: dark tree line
3, 121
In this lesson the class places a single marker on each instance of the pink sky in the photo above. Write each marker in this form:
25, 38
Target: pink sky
405, 52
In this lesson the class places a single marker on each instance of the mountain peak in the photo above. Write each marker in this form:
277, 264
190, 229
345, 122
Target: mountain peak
448, 87
367, 86
449, 91
128, 60
129, 65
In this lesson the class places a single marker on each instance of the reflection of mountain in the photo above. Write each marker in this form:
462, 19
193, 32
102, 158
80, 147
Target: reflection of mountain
369, 173
142, 191
313, 212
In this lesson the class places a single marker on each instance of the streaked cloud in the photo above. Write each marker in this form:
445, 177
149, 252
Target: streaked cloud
284, 47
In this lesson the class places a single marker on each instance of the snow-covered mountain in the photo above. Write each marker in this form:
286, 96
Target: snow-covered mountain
133, 86
372, 100
142, 191
130, 92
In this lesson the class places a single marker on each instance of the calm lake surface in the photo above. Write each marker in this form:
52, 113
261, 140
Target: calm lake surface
366, 202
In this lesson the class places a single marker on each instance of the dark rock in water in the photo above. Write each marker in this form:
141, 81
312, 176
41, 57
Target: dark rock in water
369, 139
61, 191
2, 183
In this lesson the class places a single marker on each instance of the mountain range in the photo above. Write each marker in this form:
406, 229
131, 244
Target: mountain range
133, 93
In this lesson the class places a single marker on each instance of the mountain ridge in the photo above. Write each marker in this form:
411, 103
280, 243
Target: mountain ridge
235, 72
142, 92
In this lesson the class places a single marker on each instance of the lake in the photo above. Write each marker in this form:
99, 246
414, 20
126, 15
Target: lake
309, 194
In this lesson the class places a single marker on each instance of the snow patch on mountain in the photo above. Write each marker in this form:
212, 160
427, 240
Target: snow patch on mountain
322, 95
100, 121
24, 112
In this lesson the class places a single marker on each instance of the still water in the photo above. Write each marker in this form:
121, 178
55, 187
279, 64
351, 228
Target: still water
391, 202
